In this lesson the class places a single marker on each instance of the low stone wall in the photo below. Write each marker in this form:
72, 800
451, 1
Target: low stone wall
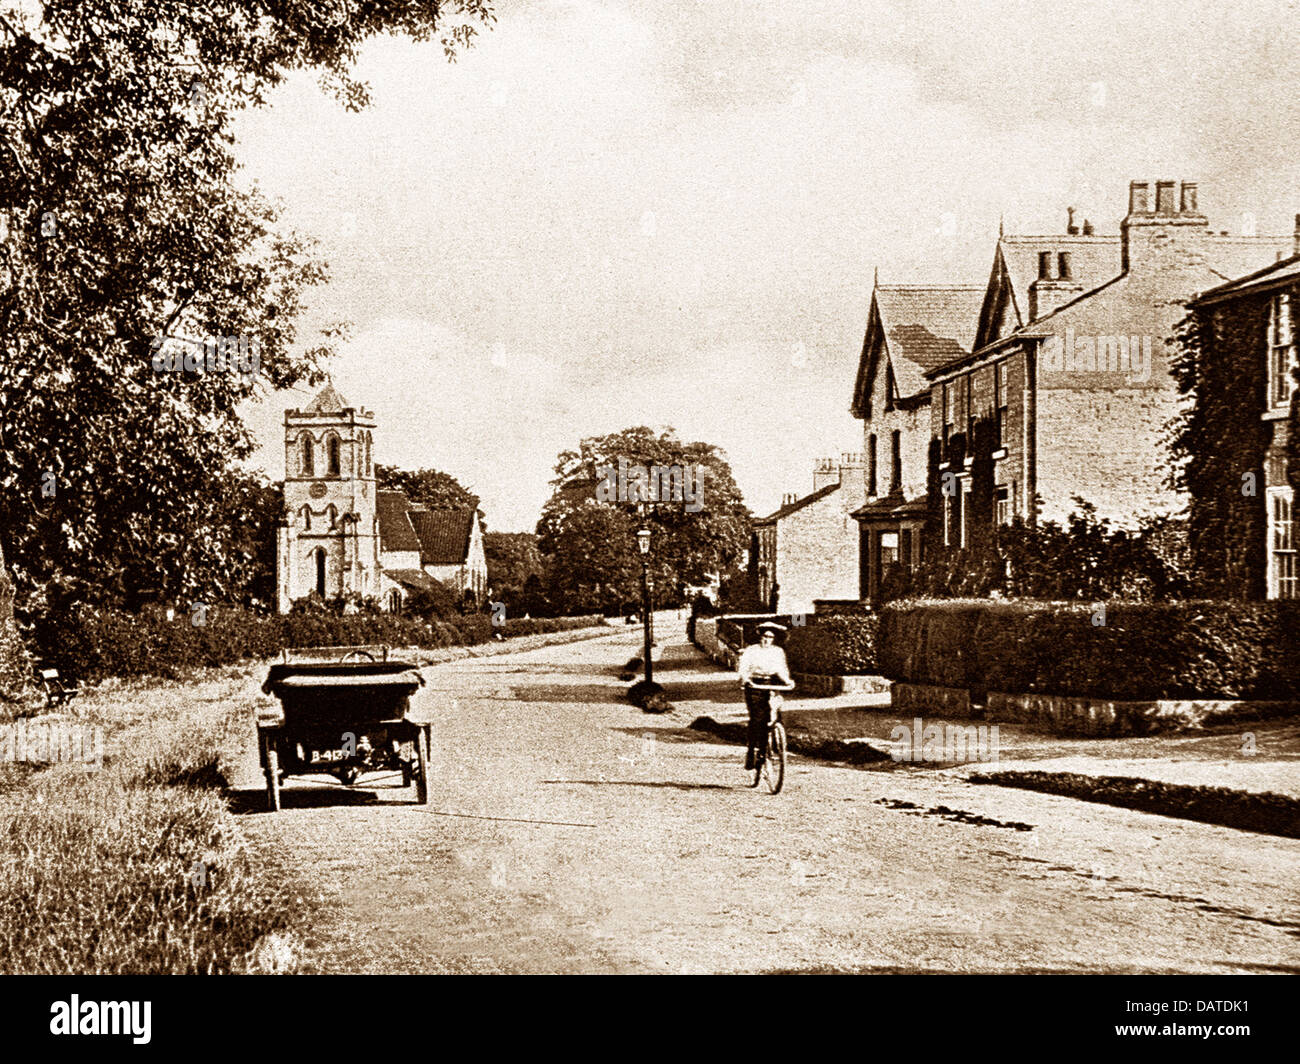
1065, 715
1071, 716
815, 685
917, 698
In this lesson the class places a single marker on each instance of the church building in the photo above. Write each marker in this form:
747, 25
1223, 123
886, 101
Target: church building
342, 535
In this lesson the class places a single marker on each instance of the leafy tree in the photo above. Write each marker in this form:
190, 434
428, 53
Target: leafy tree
590, 539
122, 223
436, 490
512, 557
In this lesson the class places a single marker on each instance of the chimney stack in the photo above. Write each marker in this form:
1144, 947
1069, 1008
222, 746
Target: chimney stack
1297, 234
824, 473
1070, 227
1147, 231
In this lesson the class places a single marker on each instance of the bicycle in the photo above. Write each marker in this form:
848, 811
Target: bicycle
769, 760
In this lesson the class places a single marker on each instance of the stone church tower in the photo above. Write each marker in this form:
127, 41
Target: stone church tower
329, 540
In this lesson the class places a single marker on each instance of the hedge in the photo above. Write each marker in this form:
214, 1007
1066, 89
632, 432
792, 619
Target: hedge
1129, 652
836, 645
738, 630
91, 644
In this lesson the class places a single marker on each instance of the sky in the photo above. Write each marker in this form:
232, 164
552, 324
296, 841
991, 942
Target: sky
611, 213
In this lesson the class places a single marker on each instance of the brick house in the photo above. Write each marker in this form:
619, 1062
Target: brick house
1067, 389
808, 549
1248, 330
911, 329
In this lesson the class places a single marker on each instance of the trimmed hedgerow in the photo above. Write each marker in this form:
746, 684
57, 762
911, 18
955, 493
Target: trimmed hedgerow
1131, 651
836, 645
90, 644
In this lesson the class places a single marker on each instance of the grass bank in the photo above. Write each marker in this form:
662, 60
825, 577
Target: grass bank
136, 865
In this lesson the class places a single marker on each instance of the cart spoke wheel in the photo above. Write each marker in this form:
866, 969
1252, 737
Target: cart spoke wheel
271, 762
422, 768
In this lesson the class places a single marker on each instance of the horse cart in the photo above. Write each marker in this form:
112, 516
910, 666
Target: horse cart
346, 715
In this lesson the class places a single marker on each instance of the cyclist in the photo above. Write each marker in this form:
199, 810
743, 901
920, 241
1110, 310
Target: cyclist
762, 663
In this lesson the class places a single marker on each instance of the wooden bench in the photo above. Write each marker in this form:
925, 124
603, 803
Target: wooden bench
56, 691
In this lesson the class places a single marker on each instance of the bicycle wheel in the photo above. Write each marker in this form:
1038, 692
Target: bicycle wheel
774, 762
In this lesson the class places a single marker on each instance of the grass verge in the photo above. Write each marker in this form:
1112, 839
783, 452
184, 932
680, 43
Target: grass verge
137, 865
1268, 814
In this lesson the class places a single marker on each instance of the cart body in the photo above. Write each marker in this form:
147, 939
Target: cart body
345, 716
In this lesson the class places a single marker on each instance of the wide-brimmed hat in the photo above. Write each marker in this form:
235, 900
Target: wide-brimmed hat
771, 626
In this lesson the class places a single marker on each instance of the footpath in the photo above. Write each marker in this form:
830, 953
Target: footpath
1243, 775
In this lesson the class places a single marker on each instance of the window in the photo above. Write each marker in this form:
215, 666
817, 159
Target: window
947, 416
305, 514
895, 461
871, 464
1000, 405
368, 441
967, 394
1281, 350
1283, 578
888, 551
332, 453
394, 601
1004, 504
318, 557
308, 464
954, 530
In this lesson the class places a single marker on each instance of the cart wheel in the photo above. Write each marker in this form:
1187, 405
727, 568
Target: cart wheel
422, 768
271, 760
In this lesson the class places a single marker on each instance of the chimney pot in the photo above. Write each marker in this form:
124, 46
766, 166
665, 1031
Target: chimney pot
1087, 227
1063, 262
1044, 265
1138, 193
1188, 202
1165, 197
1070, 227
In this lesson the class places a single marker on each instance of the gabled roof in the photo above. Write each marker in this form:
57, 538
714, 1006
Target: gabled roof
1094, 260
395, 529
1276, 275
798, 504
921, 326
328, 401
444, 535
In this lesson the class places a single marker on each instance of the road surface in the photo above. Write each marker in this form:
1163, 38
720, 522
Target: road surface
569, 832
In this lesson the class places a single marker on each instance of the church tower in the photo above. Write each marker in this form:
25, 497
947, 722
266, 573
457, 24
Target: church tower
329, 538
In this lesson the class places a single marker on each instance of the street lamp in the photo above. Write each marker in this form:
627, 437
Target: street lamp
643, 545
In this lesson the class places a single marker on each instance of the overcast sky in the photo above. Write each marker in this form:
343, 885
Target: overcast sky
620, 212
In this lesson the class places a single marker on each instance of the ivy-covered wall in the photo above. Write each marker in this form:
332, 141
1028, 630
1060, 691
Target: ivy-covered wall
1219, 443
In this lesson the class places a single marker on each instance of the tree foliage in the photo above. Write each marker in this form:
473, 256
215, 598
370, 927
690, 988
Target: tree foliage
429, 487
590, 544
122, 221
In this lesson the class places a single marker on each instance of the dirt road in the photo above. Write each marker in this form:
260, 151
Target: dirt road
568, 832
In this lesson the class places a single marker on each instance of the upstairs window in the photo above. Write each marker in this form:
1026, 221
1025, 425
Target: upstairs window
332, 452
895, 461
1281, 350
308, 461
871, 465
947, 417
999, 405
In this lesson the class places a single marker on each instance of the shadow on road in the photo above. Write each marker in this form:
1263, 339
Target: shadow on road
254, 801
654, 783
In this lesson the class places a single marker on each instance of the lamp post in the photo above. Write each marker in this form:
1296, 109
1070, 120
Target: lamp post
643, 545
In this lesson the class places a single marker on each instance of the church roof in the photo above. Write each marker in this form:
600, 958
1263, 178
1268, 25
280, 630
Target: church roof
444, 535
328, 401
395, 529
